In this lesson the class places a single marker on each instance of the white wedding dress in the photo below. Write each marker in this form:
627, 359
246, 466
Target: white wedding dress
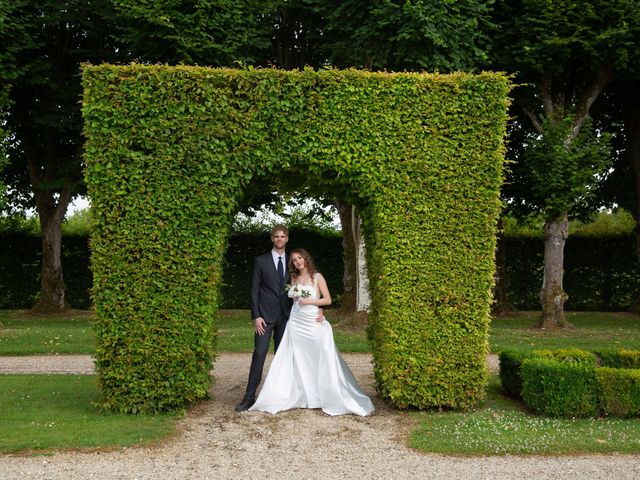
307, 371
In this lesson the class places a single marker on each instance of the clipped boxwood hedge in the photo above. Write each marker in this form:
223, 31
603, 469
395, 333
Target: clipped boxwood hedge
567, 355
619, 358
511, 362
569, 383
619, 390
559, 389
170, 151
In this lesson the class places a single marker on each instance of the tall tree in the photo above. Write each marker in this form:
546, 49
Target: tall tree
406, 35
630, 95
565, 53
44, 43
206, 32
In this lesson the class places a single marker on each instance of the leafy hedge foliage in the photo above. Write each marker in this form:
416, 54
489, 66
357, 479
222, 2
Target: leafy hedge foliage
511, 363
567, 355
559, 389
619, 391
620, 358
605, 288
20, 258
593, 278
170, 151
568, 383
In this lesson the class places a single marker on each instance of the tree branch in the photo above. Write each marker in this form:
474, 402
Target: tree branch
532, 116
545, 94
590, 95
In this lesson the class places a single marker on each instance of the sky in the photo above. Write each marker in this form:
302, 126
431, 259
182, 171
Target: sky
79, 203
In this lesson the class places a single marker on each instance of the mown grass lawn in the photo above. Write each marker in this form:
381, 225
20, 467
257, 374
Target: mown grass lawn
42, 412
591, 331
22, 333
502, 426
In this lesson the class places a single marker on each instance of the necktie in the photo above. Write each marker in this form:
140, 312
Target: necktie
280, 270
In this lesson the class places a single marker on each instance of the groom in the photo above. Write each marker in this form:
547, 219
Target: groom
270, 308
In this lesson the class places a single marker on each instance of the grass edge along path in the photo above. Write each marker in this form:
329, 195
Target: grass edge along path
41, 413
502, 426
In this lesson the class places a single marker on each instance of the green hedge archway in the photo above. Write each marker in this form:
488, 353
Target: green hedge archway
168, 153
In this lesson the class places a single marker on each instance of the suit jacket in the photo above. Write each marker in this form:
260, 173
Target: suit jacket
268, 300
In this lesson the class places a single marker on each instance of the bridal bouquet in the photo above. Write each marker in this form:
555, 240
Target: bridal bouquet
295, 292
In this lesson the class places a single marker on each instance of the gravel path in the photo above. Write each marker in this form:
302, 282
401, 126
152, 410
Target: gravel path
214, 442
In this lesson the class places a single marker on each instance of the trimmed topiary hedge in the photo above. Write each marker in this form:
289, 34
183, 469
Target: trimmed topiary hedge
619, 358
619, 390
593, 278
559, 389
569, 383
20, 267
170, 151
567, 355
511, 362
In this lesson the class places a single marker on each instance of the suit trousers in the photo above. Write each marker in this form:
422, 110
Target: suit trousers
260, 349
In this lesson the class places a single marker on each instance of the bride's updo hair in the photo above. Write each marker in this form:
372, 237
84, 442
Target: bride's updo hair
308, 262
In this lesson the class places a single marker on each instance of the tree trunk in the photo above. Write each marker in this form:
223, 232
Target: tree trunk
552, 295
52, 289
363, 298
501, 305
348, 298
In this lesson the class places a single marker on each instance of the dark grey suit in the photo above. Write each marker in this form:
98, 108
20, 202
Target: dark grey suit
269, 300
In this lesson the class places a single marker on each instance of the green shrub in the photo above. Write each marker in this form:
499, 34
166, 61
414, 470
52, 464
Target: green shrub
594, 279
567, 355
510, 363
559, 389
619, 358
170, 152
619, 390
20, 269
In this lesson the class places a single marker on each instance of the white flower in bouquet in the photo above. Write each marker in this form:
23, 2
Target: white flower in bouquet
296, 292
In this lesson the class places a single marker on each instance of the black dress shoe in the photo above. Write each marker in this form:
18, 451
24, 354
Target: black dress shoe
244, 405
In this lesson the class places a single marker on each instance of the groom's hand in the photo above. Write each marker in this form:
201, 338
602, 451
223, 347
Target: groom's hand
320, 316
260, 324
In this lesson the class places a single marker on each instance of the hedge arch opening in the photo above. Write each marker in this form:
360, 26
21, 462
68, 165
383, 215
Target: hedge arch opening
169, 151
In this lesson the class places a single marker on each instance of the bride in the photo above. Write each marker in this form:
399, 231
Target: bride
307, 370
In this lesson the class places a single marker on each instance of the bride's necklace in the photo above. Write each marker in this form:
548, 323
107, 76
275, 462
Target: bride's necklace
303, 278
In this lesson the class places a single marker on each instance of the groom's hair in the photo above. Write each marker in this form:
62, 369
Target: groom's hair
280, 228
